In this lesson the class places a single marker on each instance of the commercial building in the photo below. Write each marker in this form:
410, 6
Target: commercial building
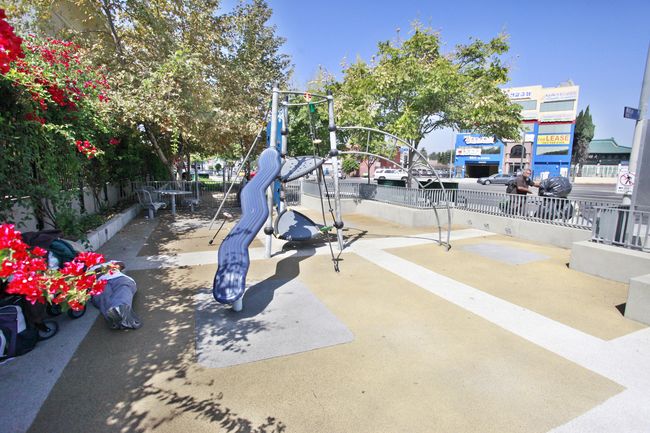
606, 151
548, 120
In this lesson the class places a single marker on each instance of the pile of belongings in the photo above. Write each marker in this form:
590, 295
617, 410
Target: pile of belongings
558, 186
115, 302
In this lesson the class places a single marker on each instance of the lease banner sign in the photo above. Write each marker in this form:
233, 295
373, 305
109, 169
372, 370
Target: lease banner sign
554, 139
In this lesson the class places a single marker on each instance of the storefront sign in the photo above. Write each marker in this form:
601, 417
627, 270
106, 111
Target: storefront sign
561, 116
478, 140
563, 95
554, 139
468, 151
519, 94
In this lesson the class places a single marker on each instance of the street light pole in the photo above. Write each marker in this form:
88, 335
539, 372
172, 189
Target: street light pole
523, 149
637, 142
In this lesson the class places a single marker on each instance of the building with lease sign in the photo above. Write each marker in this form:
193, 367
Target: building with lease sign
548, 121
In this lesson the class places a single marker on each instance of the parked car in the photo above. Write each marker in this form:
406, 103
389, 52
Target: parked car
390, 174
499, 178
422, 174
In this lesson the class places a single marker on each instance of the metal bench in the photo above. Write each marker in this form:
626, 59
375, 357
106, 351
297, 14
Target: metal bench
191, 203
146, 201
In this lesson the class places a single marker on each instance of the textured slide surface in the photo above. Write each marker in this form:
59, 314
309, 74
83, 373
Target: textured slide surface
294, 226
233, 260
297, 166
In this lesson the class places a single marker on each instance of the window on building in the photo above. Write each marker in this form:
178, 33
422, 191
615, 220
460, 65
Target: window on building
528, 127
554, 128
557, 106
518, 151
530, 104
552, 150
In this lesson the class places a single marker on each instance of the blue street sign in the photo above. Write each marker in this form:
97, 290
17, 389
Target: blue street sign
631, 113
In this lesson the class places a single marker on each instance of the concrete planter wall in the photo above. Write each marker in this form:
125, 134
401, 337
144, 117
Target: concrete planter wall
103, 233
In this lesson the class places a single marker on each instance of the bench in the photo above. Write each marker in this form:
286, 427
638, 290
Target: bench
192, 203
146, 201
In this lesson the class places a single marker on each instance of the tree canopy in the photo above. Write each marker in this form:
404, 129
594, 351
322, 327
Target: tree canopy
188, 76
412, 88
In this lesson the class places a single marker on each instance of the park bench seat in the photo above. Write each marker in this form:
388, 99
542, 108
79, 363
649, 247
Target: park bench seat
147, 202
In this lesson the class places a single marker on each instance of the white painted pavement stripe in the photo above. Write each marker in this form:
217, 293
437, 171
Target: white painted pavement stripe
627, 412
554, 336
210, 257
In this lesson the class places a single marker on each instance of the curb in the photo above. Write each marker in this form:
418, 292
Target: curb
103, 233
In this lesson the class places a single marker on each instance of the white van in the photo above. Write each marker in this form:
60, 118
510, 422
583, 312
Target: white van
390, 174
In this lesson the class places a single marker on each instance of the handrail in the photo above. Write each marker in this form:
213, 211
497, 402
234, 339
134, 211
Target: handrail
622, 227
577, 213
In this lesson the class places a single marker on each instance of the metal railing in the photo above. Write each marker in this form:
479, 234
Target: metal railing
622, 227
292, 193
568, 212
597, 171
210, 193
577, 213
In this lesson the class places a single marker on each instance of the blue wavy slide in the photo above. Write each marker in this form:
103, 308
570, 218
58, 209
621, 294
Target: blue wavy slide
233, 260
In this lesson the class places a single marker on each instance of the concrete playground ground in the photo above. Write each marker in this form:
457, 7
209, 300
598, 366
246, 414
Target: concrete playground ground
494, 335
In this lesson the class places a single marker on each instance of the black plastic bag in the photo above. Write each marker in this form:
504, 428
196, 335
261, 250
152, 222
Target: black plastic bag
557, 186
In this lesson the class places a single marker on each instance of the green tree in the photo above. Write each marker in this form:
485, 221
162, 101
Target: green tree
411, 88
188, 76
254, 65
445, 157
349, 165
584, 133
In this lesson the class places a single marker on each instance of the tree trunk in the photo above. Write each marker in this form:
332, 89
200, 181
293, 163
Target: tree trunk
159, 152
111, 25
189, 167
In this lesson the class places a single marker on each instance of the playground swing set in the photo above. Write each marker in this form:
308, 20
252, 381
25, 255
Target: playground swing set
266, 192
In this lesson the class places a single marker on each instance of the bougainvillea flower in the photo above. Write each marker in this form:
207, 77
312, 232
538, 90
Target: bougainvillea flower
26, 273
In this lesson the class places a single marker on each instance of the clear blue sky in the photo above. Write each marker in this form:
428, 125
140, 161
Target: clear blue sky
600, 45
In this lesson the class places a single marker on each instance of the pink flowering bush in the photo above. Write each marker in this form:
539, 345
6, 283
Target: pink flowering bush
26, 273
64, 89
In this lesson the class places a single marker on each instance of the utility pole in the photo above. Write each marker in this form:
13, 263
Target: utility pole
637, 142
523, 150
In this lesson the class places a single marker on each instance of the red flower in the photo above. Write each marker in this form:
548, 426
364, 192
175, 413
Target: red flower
73, 268
114, 141
27, 275
75, 305
90, 258
10, 44
98, 287
38, 251
86, 148
59, 285
7, 268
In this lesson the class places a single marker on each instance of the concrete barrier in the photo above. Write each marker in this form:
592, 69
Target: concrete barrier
638, 299
560, 236
103, 233
607, 261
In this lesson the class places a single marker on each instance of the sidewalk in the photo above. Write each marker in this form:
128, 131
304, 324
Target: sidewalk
495, 335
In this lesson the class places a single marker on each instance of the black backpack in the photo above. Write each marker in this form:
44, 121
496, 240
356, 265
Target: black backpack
511, 187
63, 251
17, 335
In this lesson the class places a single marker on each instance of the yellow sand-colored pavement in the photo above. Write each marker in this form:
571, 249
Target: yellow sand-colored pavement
443, 341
